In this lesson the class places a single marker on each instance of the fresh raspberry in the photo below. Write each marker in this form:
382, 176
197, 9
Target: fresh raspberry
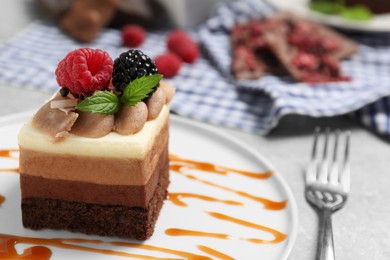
83, 71
181, 43
168, 64
133, 35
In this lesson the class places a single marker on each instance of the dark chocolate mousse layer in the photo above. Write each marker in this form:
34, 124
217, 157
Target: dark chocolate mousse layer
90, 218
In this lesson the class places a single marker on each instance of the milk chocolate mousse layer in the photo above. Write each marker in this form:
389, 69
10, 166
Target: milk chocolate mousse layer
119, 194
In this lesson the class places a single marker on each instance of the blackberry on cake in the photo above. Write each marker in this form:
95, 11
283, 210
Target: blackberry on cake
131, 65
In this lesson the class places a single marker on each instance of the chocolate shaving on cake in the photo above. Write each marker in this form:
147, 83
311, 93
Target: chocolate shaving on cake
54, 122
64, 105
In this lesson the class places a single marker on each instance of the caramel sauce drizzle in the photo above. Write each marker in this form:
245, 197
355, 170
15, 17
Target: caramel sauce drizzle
194, 233
10, 153
186, 255
183, 165
268, 204
180, 164
279, 237
15, 170
177, 199
8, 251
214, 252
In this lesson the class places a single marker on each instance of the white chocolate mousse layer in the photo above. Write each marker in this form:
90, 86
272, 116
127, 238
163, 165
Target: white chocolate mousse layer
113, 145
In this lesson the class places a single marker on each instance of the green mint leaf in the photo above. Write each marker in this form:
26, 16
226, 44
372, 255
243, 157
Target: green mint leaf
139, 89
357, 12
102, 102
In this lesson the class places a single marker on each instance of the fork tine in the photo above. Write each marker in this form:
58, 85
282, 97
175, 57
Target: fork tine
345, 175
311, 171
335, 164
336, 142
323, 172
317, 131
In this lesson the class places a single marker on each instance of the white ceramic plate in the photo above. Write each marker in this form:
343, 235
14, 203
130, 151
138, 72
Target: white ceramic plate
196, 142
379, 23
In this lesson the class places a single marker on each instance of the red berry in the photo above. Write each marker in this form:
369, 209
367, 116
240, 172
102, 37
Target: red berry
305, 61
182, 44
168, 64
133, 35
83, 71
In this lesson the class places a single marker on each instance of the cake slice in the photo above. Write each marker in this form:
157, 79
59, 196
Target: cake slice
99, 173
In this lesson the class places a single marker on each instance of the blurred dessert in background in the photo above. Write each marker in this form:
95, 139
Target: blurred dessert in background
84, 19
286, 44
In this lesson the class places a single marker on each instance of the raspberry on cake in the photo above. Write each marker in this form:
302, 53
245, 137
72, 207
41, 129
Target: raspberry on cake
84, 71
94, 159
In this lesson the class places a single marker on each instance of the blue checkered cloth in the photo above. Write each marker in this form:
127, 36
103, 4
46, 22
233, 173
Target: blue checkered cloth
366, 95
205, 90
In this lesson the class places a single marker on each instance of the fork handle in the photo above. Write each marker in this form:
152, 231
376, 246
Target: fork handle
325, 249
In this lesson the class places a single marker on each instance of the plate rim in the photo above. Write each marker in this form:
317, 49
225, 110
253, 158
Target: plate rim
19, 117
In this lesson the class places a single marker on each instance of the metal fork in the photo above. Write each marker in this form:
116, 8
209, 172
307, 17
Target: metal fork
327, 183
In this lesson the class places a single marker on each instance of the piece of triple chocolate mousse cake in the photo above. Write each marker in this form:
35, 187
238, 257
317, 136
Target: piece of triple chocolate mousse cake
94, 159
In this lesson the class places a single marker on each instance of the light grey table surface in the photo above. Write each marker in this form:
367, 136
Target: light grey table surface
361, 229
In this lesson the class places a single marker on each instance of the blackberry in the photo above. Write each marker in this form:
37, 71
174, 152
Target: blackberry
64, 92
131, 65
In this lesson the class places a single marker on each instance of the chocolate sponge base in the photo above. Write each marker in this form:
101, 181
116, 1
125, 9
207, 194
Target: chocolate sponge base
104, 220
